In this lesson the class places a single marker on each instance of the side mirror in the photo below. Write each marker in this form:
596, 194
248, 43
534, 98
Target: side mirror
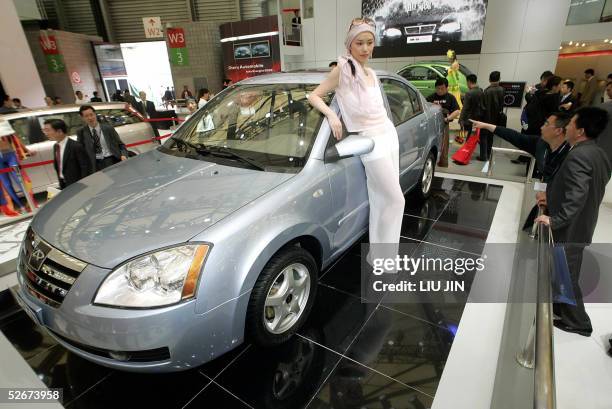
353, 145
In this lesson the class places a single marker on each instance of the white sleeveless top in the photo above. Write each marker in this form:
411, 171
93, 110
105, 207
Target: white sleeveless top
361, 105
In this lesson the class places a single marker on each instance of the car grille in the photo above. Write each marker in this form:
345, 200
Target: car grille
420, 30
48, 273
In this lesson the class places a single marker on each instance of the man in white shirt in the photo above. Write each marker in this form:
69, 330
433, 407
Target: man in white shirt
80, 100
69, 157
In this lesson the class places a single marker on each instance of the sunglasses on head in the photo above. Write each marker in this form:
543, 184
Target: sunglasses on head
362, 20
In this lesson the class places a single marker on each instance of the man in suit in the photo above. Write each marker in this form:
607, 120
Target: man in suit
568, 102
572, 201
494, 104
69, 157
146, 108
589, 94
101, 141
473, 104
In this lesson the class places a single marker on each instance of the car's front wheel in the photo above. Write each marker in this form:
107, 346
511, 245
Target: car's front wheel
282, 297
423, 187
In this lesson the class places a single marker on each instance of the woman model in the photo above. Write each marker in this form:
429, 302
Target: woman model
362, 108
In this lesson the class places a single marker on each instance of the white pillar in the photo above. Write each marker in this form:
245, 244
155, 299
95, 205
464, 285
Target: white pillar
18, 71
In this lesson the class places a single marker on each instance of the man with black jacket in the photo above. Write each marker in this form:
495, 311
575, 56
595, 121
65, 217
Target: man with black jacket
101, 141
473, 104
494, 104
572, 200
549, 150
568, 101
69, 157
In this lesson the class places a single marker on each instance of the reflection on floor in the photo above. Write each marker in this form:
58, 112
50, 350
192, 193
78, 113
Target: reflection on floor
351, 353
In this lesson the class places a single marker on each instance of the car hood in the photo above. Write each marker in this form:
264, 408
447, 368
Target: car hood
152, 201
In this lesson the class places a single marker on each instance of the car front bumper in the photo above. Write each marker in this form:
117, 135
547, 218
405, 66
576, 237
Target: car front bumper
164, 339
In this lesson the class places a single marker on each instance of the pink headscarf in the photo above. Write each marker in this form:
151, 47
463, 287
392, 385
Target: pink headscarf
355, 31
357, 82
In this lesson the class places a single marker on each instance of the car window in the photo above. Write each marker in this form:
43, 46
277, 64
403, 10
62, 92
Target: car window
415, 74
117, 117
416, 101
441, 69
27, 130
400, 101
272, 123
73, 120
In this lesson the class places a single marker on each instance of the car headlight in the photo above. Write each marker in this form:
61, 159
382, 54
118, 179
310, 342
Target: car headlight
392, 32
450, 27
156, 279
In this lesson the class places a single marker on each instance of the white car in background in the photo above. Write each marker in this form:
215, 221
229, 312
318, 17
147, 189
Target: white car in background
137, 135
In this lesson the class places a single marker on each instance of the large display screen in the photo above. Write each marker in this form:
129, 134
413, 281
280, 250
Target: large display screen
426, 27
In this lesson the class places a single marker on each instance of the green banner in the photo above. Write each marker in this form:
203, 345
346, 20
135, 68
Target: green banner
179, 56
55, 62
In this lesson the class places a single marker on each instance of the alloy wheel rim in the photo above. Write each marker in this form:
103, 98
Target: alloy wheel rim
287, 298
427, 176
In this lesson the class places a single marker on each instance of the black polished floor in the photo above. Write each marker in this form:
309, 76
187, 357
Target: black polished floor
350, 354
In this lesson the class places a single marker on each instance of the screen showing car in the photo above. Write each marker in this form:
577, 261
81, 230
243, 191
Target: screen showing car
260, 49
242, 51
426, 27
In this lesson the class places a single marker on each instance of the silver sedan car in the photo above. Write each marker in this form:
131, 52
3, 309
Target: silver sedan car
173, 258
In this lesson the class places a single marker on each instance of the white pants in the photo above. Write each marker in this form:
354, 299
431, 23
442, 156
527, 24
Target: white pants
384, 191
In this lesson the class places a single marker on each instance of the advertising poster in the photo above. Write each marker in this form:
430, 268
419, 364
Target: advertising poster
426, 27
250, 48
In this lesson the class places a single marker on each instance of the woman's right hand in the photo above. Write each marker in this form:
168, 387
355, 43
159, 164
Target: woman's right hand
335, 125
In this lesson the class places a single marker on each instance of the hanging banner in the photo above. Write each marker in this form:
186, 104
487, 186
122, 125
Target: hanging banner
178, 46
55, 61
153, 27
179, 56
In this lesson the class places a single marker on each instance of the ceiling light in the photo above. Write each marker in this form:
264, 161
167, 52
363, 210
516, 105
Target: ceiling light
571, 42
560, 48
583, 44
606, 40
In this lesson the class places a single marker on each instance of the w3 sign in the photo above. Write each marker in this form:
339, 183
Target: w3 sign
48, 44
176, 37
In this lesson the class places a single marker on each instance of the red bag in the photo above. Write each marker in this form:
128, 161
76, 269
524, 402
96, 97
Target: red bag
464, 154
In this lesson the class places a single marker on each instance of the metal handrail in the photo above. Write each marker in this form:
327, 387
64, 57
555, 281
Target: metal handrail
539, 350
544, 379
510, 151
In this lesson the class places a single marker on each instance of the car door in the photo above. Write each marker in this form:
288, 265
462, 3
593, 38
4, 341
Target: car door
347, 181
409, 125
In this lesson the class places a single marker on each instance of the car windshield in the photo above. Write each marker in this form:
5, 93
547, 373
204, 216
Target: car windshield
271, 125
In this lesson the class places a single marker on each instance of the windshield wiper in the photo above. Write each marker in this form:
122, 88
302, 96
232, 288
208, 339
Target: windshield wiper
229, 153
185, 143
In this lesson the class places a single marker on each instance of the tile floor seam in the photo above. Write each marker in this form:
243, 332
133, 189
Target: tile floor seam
443, 246
387, 376
227, 366
88, 389
414, 316
419, 217
210, 382
228, 391
328, 269
316, 393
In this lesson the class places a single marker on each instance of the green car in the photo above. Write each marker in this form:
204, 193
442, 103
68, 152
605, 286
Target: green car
423, 75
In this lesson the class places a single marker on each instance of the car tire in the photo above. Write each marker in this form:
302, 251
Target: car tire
282, 297
422, 190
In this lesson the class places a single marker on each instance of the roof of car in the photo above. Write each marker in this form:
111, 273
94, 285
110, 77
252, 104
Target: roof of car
303, 76
58, 109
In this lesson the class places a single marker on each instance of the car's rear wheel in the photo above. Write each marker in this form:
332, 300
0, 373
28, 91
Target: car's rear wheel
423, 187
282, 297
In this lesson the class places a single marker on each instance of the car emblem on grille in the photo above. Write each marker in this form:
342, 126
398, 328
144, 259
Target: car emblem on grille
39, 255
